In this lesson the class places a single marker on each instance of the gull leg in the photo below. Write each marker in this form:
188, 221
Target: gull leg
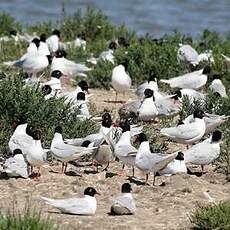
62, 167
154, 179
105, 169
202, 169
65, 167
116, 97
146, 178
133, 172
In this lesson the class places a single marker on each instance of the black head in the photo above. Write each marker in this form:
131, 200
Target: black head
142, 137
180, 156
58, 129
90, 191
126, 188
36, 41
106, 116
81, 96
19, 121
123, 42
60, 54
152, 77
148, 93
216, 76
50, 59
125, 64
112, 45
125, 126
43, 37
206, 70
216, 136
17, 152
217, 95
56, 32
198, 114
178, 95
46, 89
56, 73
85, 143
83, 85
13, 33
36, 135
30, 130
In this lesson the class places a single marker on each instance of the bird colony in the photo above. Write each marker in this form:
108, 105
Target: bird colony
117, 139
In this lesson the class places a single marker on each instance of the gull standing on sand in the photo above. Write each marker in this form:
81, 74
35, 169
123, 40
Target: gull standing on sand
193, 80
205, 152
124, 204
86, 205
187, 133
121, 81
149, 162
64, 152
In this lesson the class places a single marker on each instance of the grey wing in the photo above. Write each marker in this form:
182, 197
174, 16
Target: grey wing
141, 88
187, 131
126, 202
71, 205
125, 150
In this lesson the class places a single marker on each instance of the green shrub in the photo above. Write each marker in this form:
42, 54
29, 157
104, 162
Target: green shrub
215, 216
19, 101
8, 23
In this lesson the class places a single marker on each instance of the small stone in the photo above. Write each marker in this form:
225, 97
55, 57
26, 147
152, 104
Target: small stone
186, 190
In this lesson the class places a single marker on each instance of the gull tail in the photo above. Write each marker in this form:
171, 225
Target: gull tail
226, 58
48, 200
9, 63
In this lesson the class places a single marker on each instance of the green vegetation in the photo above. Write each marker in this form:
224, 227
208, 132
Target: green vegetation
215, 216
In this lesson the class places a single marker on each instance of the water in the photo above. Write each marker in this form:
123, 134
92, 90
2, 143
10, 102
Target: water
156, 17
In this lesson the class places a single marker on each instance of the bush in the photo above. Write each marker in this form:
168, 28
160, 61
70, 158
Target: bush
215, 216
8, 23
16, 101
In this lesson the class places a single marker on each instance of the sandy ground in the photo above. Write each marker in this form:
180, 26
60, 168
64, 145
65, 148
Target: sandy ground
158, 207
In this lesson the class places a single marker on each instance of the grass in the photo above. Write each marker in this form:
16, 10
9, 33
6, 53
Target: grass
215, 216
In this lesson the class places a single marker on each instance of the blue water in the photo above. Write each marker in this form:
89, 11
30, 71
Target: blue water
156, 17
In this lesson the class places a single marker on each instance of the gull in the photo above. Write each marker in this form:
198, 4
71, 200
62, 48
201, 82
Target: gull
86, 205
124, 204
175, 166
33, 46
149, 162
36, 156
187, 133
206, 56
193, 80
123, 149
97, 138
43, 48
67, 67
53, 41
81, 105
212, 121
147, 110
205, 152
218, 87
47, 92
187, 55
121, 81
150, 84
21, 138
31, 63
78, 42
54, 82
16, 165
65, 152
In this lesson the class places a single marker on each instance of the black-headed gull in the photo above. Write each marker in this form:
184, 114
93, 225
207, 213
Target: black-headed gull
124, 204
149, 162
147, 110
33, 46
205, 152
175, 166
68, 67
86, 205
187, 133
193, 80
43, 48
16, 165
123, 149
53, 41
64, 152
121, 81
150, 84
